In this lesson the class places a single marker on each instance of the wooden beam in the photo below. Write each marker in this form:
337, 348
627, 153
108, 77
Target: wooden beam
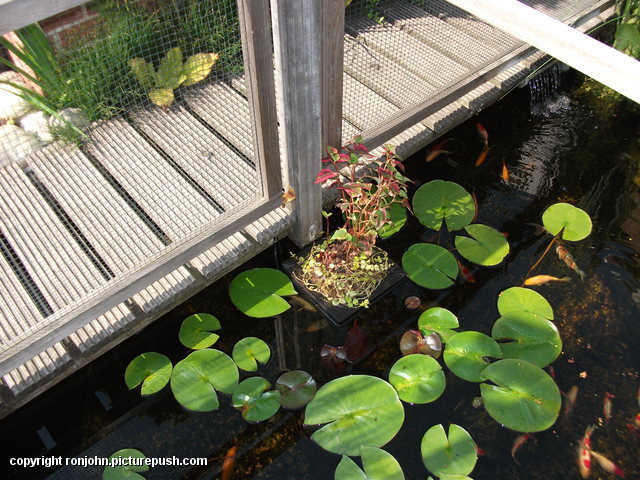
15, 14
331, 67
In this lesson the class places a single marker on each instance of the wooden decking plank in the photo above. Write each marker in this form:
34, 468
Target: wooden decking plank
479, 97
17, 310
363, 107
102, 328
42, 365
164, 290
240, 84
452, 114
269, 226
231, 250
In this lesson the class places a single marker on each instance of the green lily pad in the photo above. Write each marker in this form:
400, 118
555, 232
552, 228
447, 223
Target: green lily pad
357, 410
524, 398
487, 246
195, 331
297, 388
398, 216
377, 464
255, 400
258, 292
465, 354
438, 320
412, 341
151, 369
534, 339
518, 299
417, 378
249, 351
444, 476
575, 221
440, 200
455, 454
196, 378
430, 266
121, 472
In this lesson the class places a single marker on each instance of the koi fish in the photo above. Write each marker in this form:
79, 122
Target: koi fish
302, 303
505, 172
638, 396
484, 135
288, 196
466, 274
584, 452
552, 372
229, 463
570, 401
317, 325
475, 204
542, 279
482, 157
517, 443
565, 256
607, 464
480, 452
635, 426
606, 406
433, 154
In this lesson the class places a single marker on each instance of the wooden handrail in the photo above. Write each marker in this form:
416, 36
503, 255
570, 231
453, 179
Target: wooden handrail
15, 14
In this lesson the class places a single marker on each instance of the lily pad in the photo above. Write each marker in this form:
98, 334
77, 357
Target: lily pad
258, 292
249, 351
121, 472
398, 216
439, 201
575, 221
417, 378
196, 331
524, 398
196, 378
255, 400
297, 388
412, 341
453, 454
438, 320
377, 464
466, 352
430, 266
534, 339
518, 299
357, 410
487, 246
151, 369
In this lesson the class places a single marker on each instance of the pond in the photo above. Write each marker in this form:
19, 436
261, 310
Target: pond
570, 147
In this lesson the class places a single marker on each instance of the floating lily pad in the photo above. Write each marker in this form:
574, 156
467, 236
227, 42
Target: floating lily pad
258, 292
255, 400
398, 216
417, 378
487, 246
466, 352
439, 320
196, 331
534, 339
377, 464
249, 351
439, 200
518, 299
455, 454
575, 221
121, 472
297, 388
412, 341
196, 378
430, 266
151, 369
357, 410
524, 398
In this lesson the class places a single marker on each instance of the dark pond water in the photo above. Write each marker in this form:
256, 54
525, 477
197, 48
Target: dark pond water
570, 149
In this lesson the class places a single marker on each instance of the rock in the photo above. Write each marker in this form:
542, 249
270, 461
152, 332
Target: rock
38, 124
11, 104
16, 144
74, 116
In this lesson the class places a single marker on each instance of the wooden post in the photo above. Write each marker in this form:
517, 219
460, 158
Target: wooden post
308, 37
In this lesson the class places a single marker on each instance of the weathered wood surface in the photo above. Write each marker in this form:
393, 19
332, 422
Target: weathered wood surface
16, 14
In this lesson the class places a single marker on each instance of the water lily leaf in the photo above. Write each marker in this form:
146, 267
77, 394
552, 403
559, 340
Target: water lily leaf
575, 221
430, 266
453, 477
125, 471
535, 339
195, 331
169, 74
357, 410
518, 299
412, 341
258, 292
487, 246
438, 320
347, 469
524, 398
162, 97
454, 454
377, 464
197, 67
440, 200
465, 354
297, 388
196, 378
398, 216
255, 400
249, 351
417, 378
151, 369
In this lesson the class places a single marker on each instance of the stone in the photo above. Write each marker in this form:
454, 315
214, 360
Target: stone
16, 144
74, 116
38, 124
11, 104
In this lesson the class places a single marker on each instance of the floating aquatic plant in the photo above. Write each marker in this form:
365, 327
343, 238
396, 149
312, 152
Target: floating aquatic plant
518, 299
452, 454
486, 246
417, 378
297, 388
573, 222
121, 472
430, 266
466, 354
249, 351
151, 369
412, 341
258, 292
440, 201
196, 331
255, 399
438, 320
376, 463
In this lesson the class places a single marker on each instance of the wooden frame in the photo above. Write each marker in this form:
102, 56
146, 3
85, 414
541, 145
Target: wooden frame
15, 14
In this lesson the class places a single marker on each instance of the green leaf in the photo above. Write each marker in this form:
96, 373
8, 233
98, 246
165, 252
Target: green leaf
121, 472
151, 369
518, 299
487, 246
377, 464
430, 266
417, 378
258, 292
440, 200
254, 399
249, 351
357, 410
143, 72
347, 469
439, 320
627, 36
169, 74
341, 234
197, 67
297, 388
524, 398
195, 331
574, 222
398, 216
455, 454
465, 354
162, 97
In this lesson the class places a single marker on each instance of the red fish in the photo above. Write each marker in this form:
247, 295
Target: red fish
635, 426
482, 157
566, 257
606, 406
355, 343
552, 372
505, 172
229, 463
517, 443
484, 135
466, 274
584, 452
607, 464
481, 452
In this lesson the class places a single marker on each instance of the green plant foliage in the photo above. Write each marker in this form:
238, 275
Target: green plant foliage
151, 369
196, 378
121, 472
377, 465
438, 320
357, 410
196, 331
487, 246
518, 299
417, 378
574, 222
255, 400
397, 214
297, 388
430, 266
453, 454
534, 339
439, 201
249, 351
258, 292
466, 352
524, 398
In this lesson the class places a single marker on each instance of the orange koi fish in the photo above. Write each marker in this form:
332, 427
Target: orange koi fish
482, 157
475, 204
606, 406
607, 464
433, 154
566, 257
484, 135
288, 196
635, 426
570, 401
229, 463
542, 279
517, 443
505, 172
466, 274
